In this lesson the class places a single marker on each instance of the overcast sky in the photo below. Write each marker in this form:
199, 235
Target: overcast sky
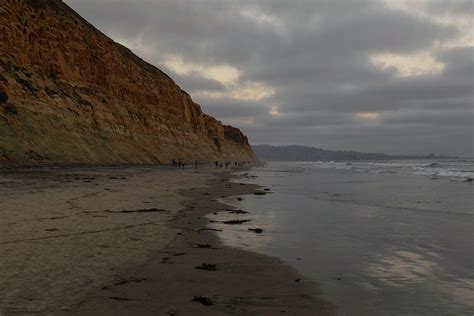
394, 76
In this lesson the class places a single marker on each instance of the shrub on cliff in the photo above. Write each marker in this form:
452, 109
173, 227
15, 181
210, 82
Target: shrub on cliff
3, 97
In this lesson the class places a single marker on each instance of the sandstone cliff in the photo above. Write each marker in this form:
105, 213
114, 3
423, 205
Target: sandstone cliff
70, 94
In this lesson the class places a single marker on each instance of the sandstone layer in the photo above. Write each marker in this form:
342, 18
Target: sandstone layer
70, 94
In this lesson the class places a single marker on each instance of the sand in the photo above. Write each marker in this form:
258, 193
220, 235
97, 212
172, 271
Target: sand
124, 241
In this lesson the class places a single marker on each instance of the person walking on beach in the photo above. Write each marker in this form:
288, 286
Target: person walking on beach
195, 164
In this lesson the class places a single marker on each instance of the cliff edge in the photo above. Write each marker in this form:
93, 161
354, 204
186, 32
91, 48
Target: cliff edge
70, 94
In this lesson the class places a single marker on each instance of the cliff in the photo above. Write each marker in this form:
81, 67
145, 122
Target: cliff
70, 94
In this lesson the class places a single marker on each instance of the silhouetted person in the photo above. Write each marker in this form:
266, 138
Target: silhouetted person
195, 164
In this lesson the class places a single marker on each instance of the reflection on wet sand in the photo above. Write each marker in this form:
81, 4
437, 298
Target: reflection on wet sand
402, 267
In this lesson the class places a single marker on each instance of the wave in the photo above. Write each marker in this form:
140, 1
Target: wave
461, 171
462, 179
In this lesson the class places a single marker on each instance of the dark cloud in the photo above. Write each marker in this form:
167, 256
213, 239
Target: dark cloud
459, 64
432, 118
316, 57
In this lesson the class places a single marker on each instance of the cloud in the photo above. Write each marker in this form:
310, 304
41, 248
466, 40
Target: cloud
228, 108
394, 76
461, 7
194, 81
408, 65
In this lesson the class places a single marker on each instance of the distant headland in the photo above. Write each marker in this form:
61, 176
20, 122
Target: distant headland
304, 153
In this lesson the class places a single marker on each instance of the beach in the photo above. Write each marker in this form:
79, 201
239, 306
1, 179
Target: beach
128, 240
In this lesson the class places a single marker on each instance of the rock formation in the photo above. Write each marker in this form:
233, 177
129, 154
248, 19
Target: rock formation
70, 94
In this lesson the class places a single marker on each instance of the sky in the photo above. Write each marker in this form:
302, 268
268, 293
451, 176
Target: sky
392, 76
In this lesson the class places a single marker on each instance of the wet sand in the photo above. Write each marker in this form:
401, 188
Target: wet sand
116, 241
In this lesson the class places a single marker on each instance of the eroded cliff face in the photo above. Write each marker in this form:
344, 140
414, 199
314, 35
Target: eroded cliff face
69, 94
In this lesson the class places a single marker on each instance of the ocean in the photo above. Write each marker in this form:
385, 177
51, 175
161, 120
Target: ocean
376, 238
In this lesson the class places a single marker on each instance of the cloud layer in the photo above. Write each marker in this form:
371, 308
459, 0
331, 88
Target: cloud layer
382, 76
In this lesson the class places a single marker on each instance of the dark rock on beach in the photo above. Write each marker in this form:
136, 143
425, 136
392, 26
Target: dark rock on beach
207, 267
203, 300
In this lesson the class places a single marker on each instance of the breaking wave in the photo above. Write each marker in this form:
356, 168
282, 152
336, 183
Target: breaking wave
456, 170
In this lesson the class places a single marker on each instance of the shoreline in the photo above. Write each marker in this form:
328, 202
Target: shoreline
244, 283
165, 280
